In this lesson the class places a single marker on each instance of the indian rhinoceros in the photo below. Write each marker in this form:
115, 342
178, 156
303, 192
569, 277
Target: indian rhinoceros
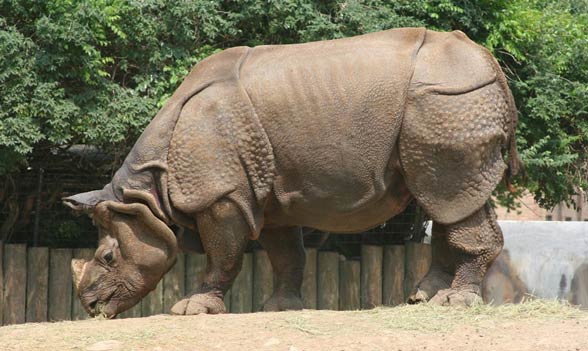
336, 135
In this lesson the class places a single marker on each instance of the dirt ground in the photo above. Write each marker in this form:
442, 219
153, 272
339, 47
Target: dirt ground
537, 325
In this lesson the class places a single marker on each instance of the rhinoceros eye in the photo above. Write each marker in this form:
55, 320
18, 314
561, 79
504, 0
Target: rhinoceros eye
107, 257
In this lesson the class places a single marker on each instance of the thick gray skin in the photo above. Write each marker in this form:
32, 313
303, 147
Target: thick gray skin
335, 135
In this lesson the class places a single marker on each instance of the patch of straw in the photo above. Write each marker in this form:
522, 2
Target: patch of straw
426, 317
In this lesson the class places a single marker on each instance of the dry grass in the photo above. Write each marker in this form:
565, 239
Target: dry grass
351, 330
435, 318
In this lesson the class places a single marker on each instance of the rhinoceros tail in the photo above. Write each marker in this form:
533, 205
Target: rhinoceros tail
514, 162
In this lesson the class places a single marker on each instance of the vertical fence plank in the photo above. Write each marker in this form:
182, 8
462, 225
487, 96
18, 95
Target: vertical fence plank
40, 287
309, 289
371, 276
152, 304
77, 310
263, 282
227, 301
133, 312
1, 281
393, 275
15, 278
60, 284
174, 284
418, 260
328, 280
136, 311
349, 291
37, 284
195, 271
242, 290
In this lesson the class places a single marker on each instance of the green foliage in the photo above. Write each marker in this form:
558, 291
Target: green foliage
543, 44
96, 71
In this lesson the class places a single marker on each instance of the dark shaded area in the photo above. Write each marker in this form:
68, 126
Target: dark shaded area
502, 283
409, 225
579, 286
31, 202
27, 198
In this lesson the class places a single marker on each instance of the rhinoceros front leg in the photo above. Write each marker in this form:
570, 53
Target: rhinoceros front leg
475, 242
285, 249
224, 234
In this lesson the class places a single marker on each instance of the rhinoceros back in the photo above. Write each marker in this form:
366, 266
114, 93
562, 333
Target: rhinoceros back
333, 111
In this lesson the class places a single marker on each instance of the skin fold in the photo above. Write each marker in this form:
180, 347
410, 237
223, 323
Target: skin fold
339, 136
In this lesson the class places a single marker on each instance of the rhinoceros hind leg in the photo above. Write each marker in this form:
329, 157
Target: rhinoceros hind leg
285, 249
473, 244
224, 233
442, 270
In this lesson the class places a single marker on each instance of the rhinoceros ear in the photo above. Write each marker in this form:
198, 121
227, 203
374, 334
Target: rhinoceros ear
85, 202
150, 198
158, 227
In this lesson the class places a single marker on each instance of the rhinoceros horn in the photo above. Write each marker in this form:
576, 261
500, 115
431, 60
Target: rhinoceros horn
77, 269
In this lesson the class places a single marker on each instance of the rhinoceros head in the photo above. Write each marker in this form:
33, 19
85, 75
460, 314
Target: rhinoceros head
135, 250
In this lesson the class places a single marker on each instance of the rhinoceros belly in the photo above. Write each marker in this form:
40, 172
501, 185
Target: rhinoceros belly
345, 197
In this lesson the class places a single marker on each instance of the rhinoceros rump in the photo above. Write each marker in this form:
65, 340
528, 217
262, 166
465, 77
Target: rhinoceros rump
335, 135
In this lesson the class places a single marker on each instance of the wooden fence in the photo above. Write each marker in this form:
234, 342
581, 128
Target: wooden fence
37, 284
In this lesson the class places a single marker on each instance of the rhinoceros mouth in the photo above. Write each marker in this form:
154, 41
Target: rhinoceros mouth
97, 307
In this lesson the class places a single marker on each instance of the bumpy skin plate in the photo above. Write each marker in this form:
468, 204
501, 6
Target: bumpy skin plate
455, 127
217, 150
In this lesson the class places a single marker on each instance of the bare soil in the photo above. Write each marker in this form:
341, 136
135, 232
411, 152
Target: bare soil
537, 325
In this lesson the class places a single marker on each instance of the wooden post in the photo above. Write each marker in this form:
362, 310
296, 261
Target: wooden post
309, 289
195, 271
227, 301
60, 285
418, 261
393, 275
37, 284
152, 304
133, 312
263, 281
242, 290
1, 282
77, 310
371, 276
15, 280
349, 283
174, 283
328, 280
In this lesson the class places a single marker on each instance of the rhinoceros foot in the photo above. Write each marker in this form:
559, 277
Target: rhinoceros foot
283, 302
457, 298
432, 283
419, 296
199, 303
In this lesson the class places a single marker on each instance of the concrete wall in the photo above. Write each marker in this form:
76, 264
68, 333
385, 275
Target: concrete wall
549, 257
